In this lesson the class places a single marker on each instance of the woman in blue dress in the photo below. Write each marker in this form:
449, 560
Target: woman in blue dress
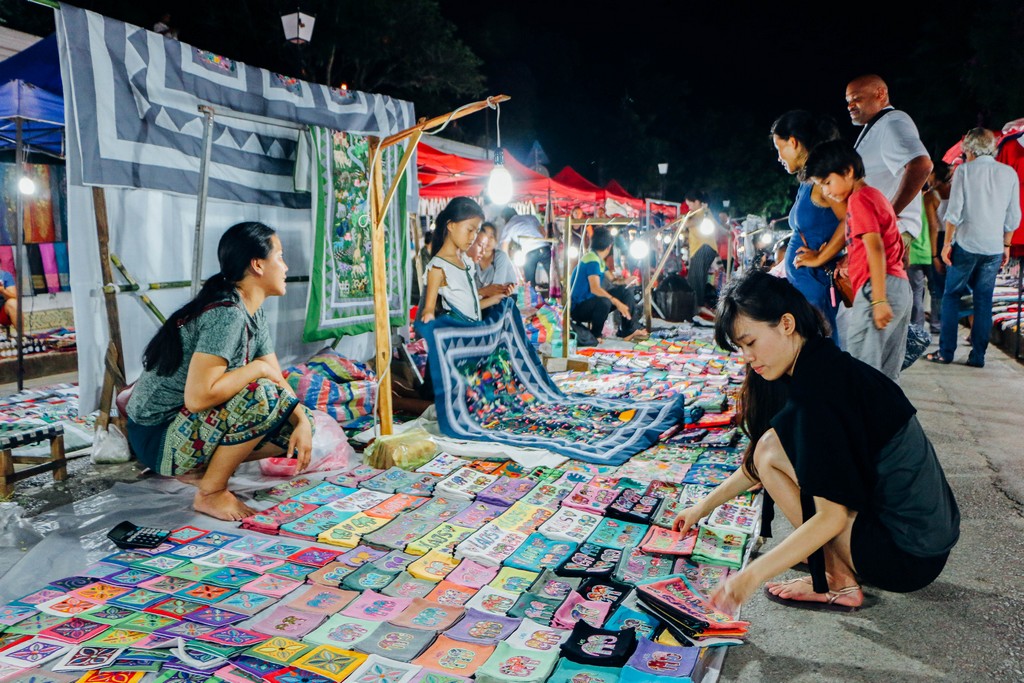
818, 223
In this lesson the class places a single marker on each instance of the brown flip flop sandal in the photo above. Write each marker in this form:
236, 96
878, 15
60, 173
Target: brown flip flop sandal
829, 606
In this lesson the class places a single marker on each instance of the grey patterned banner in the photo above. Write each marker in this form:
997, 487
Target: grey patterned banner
132, 99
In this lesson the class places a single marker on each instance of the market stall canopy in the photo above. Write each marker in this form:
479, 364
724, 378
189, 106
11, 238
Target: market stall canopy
443, 175
614, 192
31, 91
569, 176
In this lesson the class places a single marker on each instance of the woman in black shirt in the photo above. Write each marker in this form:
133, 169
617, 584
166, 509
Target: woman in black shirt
838, 447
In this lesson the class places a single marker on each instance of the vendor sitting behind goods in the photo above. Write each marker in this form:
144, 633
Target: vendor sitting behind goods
212, 396
592, 301
495, 273
8, 300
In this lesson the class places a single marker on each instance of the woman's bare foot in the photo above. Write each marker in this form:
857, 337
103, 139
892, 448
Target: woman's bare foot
221, 504
801, 590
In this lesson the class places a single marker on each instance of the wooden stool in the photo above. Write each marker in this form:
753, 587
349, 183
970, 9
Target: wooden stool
9, 440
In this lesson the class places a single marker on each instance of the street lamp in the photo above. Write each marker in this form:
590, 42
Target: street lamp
298, 27
663, 171
298, 30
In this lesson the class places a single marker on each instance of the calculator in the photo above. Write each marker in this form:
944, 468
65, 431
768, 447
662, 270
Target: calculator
128, 535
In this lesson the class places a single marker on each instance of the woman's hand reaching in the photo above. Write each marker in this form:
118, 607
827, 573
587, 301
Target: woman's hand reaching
687, 519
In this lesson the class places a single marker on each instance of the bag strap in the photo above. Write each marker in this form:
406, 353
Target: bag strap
874, 119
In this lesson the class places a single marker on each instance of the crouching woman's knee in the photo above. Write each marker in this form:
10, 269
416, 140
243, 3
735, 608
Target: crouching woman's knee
768, 452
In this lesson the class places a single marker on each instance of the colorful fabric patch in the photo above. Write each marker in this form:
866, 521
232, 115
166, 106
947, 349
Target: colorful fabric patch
87, 657
493, 601
273, 586
288, 622
430, 616
322, 600
332, 662
342, 631
279, 650
451, 656
245, 603
396, 642
33, 652
233, 636
532, 635
74, 630
375, 607
482, 627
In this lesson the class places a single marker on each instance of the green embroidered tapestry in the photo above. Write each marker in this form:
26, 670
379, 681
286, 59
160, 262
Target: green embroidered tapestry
341, 284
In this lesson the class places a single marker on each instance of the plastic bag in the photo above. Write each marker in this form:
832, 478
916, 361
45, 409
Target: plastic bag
411, 449
331, 451
109, 446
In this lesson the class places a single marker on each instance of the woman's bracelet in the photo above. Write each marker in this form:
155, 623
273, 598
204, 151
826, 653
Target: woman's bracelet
876, 302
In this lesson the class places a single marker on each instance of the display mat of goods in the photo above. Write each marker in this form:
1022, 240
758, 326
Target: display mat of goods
337, 581
490, 384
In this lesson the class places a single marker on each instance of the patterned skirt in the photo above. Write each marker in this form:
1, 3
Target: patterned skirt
260, 411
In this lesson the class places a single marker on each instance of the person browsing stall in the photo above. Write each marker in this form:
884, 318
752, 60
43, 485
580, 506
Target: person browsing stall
818, 223
839, 448
211, 395
984, 210
877, 329
451, 285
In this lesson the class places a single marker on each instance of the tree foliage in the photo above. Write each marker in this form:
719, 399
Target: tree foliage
402, 48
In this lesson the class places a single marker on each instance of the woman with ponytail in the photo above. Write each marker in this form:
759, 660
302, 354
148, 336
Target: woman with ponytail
211, 395
838, 447
818, 223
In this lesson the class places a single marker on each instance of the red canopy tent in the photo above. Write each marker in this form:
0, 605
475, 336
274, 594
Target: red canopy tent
444, 175
615, 192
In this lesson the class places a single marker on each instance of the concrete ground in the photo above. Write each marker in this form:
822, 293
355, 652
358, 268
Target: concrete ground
968, 625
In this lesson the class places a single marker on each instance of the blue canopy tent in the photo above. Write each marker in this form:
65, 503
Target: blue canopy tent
31, 98
31, 120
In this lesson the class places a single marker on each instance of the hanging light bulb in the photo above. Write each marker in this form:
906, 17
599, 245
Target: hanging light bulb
26, 185
707, 227
574, 252
614, 231
499, 185
639, 249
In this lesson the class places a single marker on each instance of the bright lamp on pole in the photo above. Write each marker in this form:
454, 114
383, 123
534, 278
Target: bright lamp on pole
639, 249
26, 185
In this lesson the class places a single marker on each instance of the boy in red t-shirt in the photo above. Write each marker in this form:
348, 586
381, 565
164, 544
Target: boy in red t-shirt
878, 321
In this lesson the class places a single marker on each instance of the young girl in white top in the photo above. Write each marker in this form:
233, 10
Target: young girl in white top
450, 272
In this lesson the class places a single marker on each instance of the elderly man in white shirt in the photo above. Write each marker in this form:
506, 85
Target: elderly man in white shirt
983, 212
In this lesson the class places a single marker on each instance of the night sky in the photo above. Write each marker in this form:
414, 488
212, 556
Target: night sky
707, 79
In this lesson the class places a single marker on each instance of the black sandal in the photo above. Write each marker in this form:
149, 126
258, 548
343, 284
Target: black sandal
936, 357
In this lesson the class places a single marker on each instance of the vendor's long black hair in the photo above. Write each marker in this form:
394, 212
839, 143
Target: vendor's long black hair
458, 209
237, 248
764, 298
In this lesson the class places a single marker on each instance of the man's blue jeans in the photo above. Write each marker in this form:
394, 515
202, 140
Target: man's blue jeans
977, 271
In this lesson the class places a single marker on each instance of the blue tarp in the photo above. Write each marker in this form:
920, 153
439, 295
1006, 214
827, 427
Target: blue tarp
30, 89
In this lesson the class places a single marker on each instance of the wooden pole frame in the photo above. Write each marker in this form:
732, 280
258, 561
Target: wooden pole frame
380, 200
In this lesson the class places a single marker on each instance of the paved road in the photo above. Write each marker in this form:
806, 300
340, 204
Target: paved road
969, 624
